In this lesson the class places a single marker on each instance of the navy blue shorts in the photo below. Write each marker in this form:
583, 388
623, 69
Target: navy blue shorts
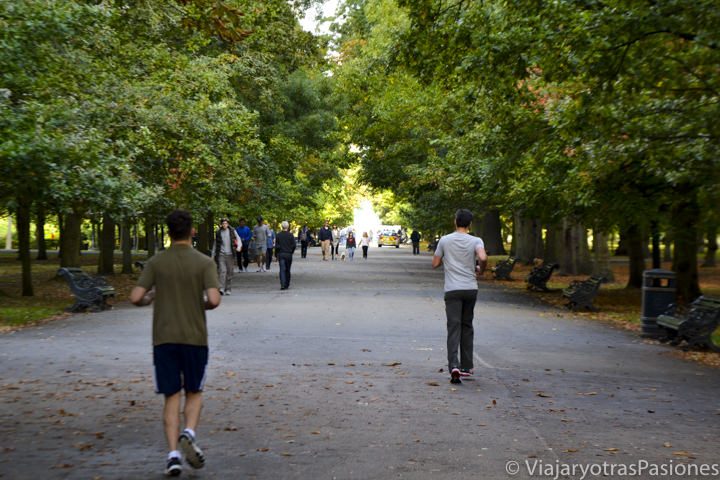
179, 366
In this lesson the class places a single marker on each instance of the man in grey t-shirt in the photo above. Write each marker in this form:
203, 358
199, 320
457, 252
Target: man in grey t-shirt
458, 253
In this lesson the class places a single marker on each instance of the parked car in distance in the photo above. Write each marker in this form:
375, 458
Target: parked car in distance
389, 238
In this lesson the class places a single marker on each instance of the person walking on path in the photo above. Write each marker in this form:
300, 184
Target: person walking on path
415, 238
365, 244
350, 245
325, 236
304, 237
260, 235
464, 260
177, 279
285, 247
270, 248
335, 245
245, 235
227, 244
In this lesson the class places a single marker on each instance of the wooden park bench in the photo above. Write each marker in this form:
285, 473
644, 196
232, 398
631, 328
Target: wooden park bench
696, 327
539, 276
580, 294
90, 292
503, 268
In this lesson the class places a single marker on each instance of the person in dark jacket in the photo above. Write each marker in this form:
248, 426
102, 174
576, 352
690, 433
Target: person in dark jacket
325, 236
285, 247
304, 237
415, 238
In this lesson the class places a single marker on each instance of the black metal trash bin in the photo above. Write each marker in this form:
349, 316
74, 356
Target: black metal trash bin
658, 291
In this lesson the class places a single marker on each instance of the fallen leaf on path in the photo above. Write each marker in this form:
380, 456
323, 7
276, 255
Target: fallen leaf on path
433, 384
315, 433
612, 449
366, 350
264, 449
588, 394
543, 395
286, 454
392, 364
230, 429
571, 450
683, 453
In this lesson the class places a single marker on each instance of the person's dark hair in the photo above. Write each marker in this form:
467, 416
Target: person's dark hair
463, 217
179, 224
241, 220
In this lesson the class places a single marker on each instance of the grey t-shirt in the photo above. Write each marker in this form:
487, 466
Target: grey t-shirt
261, 234
457, 251
226, 247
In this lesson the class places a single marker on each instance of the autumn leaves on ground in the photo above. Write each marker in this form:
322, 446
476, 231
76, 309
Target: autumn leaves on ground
615, 303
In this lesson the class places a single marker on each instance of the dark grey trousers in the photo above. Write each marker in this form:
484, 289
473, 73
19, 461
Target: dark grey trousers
459, 308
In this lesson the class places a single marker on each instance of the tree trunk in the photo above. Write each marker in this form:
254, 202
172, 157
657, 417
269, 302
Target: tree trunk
70, 239
553, 244
126, 244
574, 254
23, 229
40, 235
712, 245
491, 233
622, 248
526, 238
655, 237
203, 239
667, 247
601, 250
684, 216
107, 247
150, 237
634, 242
8, 235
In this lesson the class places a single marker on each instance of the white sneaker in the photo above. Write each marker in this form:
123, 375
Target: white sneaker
193, 455
228, 292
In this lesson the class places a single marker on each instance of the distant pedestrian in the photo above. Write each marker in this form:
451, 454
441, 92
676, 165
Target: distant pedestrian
227, 244
260, 234
245, 235
285, 247
350, 246
176, 279
335, 245
270, 248
304, 238
365, 244
459, 253
325, 236
415, 238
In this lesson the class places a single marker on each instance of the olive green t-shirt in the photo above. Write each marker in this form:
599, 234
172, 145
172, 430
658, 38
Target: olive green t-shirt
180, 276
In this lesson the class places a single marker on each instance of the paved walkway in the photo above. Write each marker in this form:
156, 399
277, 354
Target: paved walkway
343, 376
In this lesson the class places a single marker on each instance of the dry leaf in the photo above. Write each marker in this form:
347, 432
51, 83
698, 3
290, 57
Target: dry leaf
571, 450
543, 395
612, 449
264, 449
433, 384
683, 453
392, 364
667, 445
